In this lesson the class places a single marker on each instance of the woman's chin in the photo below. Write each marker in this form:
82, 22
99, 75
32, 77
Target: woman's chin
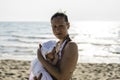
59, 36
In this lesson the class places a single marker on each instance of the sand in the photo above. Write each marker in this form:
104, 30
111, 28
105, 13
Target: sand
19, 70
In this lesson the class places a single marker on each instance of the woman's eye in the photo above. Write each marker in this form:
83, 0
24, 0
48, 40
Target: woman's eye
54, 26
60, 26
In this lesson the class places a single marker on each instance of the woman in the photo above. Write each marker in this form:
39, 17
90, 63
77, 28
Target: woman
67, 50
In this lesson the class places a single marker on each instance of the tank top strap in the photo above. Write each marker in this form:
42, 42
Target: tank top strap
63, 45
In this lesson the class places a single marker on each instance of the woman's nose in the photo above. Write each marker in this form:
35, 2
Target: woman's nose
58, 29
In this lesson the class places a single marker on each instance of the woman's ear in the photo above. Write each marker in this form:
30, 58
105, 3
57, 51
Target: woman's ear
68, 25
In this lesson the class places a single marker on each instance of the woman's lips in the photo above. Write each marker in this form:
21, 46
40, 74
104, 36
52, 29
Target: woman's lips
59, 34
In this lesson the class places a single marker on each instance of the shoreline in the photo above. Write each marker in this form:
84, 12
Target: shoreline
19, 70
81, 58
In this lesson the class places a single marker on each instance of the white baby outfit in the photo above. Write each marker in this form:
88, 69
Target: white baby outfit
36, 66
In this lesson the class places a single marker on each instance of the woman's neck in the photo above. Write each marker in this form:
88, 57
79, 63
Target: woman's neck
62, 40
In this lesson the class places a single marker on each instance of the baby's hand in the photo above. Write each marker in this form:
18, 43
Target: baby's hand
56, 57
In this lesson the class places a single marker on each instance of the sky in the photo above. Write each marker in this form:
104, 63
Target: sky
42, 10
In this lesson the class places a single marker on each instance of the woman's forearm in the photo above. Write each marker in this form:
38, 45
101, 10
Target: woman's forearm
49, 67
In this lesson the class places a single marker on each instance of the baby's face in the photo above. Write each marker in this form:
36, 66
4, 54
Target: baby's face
50, 55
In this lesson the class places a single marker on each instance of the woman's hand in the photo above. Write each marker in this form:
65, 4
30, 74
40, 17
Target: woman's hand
39, 77
39, 54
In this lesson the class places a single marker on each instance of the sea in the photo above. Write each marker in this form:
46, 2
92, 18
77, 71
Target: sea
98, 41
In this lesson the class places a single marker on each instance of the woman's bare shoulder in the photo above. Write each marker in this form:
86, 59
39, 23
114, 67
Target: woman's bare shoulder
71, 45
71, 49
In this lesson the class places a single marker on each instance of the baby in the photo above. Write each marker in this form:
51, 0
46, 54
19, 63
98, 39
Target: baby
49, 55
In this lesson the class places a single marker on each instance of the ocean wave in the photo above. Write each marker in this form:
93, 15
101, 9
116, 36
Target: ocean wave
18, 50
19, 45
33, 36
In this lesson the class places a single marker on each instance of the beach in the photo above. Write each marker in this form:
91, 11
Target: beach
19, 70
98, 47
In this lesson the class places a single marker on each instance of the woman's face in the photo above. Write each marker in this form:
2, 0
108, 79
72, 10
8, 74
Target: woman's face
60, 27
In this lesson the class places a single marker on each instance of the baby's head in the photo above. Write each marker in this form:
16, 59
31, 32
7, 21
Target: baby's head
47, 48
50, 56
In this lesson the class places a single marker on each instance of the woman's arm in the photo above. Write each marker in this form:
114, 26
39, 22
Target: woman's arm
67, 63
